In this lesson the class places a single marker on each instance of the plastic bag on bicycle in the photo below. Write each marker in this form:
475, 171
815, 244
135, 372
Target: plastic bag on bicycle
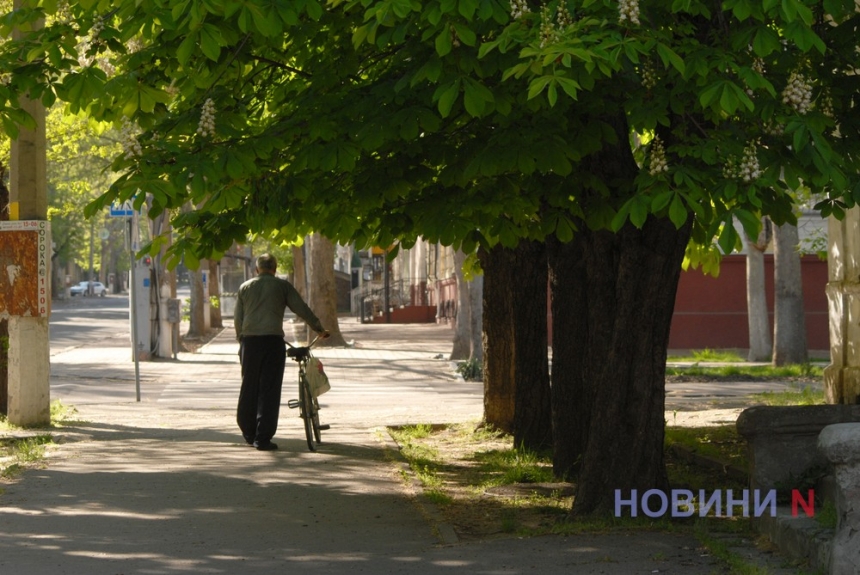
317, 379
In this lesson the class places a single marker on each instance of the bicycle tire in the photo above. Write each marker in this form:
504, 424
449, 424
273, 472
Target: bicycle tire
307, 414
315, 418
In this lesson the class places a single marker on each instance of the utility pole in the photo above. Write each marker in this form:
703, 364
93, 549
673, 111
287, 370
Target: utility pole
29, 351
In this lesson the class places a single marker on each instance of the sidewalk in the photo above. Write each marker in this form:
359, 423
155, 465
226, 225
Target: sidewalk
167, 485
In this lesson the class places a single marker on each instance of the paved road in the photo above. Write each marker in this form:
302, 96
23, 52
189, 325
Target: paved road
167, 486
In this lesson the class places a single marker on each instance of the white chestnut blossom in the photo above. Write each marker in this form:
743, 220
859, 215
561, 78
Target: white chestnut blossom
519, 8
97, 27
826, 105
628, 10
562, 16
798, 93
773, 128
657, 161
206, 127
749, 169
649, 75
547, 27
130, 144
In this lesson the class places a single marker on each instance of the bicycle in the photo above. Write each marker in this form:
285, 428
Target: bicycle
307, 403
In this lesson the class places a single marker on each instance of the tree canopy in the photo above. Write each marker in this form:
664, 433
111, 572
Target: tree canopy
618, 129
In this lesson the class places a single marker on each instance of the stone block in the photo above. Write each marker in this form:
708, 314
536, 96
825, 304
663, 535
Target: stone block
783, 440
840, 445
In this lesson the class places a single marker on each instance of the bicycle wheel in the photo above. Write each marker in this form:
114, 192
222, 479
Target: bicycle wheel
316, 419
307, 403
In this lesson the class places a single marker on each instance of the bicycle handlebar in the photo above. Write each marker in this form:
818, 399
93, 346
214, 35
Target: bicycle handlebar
302, 352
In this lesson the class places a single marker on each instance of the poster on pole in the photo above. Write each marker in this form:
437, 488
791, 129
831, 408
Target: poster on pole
25, 283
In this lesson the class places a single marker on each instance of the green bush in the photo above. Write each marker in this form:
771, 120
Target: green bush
471, 370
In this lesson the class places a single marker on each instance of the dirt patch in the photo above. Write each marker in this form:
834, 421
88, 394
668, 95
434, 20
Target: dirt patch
190, 344
466, 474
461, 477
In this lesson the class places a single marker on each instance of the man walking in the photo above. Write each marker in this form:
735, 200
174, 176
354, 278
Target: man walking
259, 322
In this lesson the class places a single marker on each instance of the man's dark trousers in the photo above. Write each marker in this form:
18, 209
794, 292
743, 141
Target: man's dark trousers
260, 397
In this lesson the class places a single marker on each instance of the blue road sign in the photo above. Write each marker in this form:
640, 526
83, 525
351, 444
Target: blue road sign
125, 210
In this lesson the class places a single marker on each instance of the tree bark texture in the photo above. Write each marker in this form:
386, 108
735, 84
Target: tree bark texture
196, 324
789, 323
476, 318
516, 372
463, 324
4, 367
4, 324
631, 281
532, 413
498, 339
572, 393
215, 319
300, 280
761, 343
323, 290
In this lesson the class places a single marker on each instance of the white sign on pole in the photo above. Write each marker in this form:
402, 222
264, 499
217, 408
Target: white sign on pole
124, 210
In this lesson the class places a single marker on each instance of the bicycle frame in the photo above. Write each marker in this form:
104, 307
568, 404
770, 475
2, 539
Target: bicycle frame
307, 403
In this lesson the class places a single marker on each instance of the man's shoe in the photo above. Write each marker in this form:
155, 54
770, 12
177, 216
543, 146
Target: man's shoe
249, 440
268, 446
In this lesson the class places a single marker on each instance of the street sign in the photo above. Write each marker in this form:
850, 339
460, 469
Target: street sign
124, 210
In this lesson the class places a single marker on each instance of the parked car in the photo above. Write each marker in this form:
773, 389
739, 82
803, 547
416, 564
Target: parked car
83, 288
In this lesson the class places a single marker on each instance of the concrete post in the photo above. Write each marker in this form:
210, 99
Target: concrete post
29, 351
840, 444
842, 376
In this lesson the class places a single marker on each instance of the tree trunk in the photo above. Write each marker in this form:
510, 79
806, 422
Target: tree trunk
572, 393
761, 343
463, 324
516, 378
631, 281
300, 280
4, 324
789, 323
4, 367
476, 316
196, 325
498, 339
323, 296
215, 319
532, 414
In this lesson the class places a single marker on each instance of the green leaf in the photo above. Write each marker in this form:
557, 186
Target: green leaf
466, 35
563, 230
766, 42
447, 98
621, 217
186, 48
443, 42
729, 239
750, 222
711, 94
638, 211
670, 57
661, 200
742, 10
467, 8
569, 86
537, 85
210, 42
476, 97
677, 212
